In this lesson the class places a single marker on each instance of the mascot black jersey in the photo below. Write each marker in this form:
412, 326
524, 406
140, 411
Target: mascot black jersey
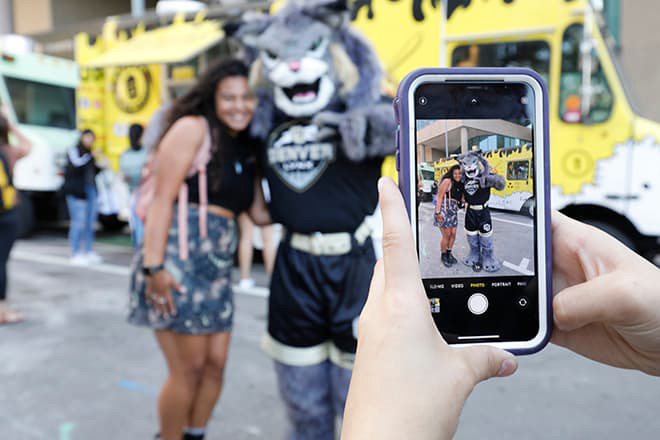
313, 186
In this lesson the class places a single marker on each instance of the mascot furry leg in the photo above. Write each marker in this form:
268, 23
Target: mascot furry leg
474, 257
315, 396
489, 261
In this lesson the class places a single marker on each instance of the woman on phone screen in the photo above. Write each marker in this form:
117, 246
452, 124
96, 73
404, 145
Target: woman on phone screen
180, 285
450, 196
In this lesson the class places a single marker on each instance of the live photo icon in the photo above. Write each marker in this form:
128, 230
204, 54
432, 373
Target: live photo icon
435, 305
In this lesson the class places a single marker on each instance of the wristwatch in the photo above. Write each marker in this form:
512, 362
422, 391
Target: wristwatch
152, 270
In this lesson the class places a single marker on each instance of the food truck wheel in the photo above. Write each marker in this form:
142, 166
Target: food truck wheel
528, 208
25, 215
111, 223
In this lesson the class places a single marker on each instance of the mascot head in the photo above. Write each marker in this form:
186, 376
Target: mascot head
308, 58
472, 164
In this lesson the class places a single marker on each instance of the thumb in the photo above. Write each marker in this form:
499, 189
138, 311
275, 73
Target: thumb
486, 362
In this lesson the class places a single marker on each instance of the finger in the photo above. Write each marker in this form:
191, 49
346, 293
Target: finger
399, 256
577, 246
169, 305
375, 292
327, 118
377, 283
602, 299
178, 288
486, 362
325, 133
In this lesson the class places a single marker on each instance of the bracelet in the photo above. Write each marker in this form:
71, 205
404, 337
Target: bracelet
152, 270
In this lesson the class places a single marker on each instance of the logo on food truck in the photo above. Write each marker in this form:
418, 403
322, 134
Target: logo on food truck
131, 88
417, 10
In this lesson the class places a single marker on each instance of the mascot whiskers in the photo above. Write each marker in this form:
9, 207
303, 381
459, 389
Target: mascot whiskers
477, 181
325, 129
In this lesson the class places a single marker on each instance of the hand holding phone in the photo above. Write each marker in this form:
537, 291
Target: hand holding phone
407, 382
607, 306
482, 134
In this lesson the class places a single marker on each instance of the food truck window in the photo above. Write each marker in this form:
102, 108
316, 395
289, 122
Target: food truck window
517, 170
532, 54
570, 84
42, 104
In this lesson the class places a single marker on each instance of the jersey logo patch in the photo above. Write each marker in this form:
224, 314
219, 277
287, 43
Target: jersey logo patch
297, 156
471, 187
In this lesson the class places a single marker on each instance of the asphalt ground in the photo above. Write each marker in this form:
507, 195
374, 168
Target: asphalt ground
76, 370
513, 236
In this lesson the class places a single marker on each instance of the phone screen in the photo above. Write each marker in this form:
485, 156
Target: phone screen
476, 211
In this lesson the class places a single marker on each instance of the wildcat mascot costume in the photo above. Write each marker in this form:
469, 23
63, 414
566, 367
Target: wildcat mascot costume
325, 130
477, 182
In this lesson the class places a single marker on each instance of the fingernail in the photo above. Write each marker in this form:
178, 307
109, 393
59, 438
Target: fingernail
380, 184
507, 368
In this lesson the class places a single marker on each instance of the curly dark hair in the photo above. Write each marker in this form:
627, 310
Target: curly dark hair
200, 101
450, 173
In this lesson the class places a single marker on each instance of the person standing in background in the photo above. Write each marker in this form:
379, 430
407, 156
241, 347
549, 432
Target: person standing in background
130, 164
246, 250
9, 155
81, 199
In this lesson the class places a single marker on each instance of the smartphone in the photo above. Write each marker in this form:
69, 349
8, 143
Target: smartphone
473, 163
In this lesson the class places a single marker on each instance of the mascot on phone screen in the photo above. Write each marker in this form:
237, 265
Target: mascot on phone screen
477, 182
325, 130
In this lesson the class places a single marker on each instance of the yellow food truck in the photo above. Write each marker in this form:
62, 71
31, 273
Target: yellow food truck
603, 154
125, 76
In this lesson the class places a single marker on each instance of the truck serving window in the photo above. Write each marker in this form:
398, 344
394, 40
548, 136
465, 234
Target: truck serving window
570, 85
428, 175
517, 170
42, 104
532, 54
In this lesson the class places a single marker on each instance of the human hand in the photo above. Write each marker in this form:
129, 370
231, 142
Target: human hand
607, 298
407, 382
159, 292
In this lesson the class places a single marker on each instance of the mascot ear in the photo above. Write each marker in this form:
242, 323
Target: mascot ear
247, 31
334, 13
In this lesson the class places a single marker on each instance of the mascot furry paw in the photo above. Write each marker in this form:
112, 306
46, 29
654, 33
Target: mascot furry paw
477, 182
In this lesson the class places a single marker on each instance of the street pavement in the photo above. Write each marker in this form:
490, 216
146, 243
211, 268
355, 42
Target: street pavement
75, 370
513, 237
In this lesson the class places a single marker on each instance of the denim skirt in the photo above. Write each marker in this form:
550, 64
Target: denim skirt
207, 306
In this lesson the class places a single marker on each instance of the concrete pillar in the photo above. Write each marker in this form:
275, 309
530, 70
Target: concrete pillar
422, 153
464, 141
137, 8
6, 17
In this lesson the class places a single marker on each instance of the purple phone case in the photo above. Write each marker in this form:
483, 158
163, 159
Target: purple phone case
402, 115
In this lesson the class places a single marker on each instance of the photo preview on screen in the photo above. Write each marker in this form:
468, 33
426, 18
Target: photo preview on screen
474, 180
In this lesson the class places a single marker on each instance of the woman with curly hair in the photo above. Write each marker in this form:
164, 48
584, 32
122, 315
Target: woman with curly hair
450, 196
180, 285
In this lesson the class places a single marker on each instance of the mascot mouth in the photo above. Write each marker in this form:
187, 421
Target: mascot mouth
303, 93
305, 98
471, 172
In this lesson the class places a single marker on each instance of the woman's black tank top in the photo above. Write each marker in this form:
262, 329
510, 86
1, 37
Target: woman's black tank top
235, 190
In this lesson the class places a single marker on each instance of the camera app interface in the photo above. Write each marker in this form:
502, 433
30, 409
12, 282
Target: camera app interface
476, 209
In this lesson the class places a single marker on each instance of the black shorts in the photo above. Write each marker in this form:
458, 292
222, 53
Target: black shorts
478, 220
314, 304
